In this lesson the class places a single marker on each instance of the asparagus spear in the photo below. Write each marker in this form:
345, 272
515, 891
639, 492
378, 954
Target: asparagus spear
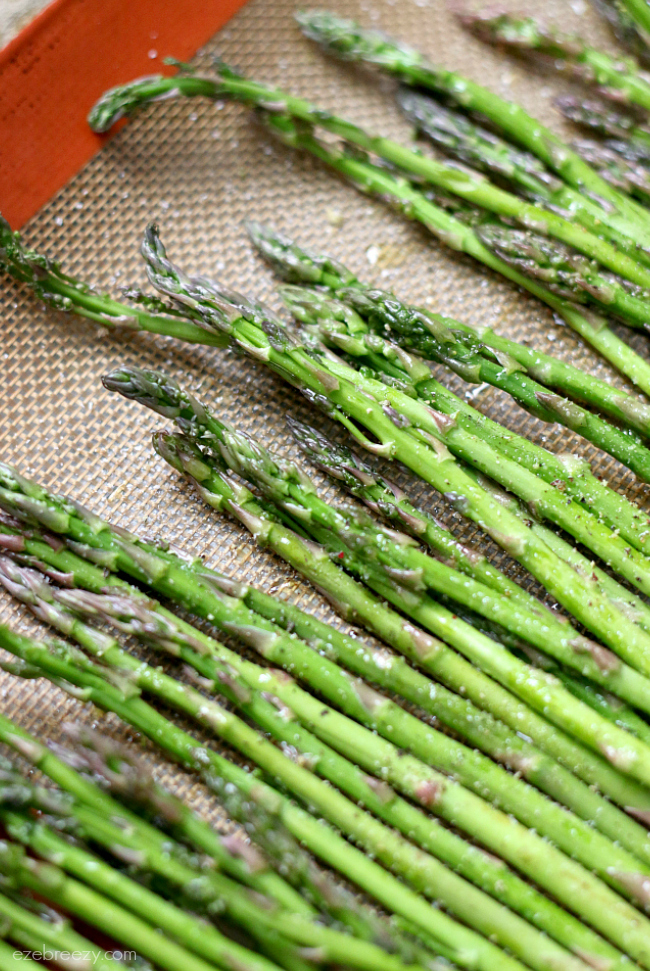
430, 334
497, 661
439, 339
629, 32
97, 910
404, 428
630, 176
526, 469
468, 948
401, 428
47, 933
638, 11
561, 269
393, 673
297, 265
610, 123
204, 941
132, 783
462, 138
154, 926
144, 839
476, 190
349, 41
65, 293
617, 78
451, 231
422, 872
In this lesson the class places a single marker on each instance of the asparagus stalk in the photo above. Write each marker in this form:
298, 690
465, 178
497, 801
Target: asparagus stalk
401, 427
451, 231
439, 339
391, 721
608, 122
423, 872
594, 514
199, 939
629, 32
429, 334
97, 910
497, 663
463, 139
638, 10
48, 933
351, 42
65, 293
564, 271
461, 237
617, 78
468, 948
291, 490
147, 842
476, 190
181, 936
630, 176
296, 265
14, 960
393, 673
129, 782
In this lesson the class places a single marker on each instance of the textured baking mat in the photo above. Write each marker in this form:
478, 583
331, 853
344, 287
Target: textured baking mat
200, 169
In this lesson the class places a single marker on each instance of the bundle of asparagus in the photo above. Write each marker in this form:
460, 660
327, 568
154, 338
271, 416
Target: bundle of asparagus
622, 159
619, 242
525, 374
248, 688
517, 799
195, 870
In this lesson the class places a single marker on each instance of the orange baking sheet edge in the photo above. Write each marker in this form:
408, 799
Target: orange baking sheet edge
56, 68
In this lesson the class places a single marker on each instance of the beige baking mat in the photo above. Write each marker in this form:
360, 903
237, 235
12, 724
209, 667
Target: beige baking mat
200, 169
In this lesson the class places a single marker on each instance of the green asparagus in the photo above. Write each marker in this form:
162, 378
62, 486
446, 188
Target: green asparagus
290, 489
386, 499
459, 136
630, 32
493, 658
260, 700
619, 78
462, 237
296, 265
391, 672
385, 717
50, 933
469, 949
607, 121
477, 190
630, 176
65, 293
401, 427
606, 522
349, 41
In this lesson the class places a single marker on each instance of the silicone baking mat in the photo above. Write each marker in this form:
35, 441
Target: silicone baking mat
200, 169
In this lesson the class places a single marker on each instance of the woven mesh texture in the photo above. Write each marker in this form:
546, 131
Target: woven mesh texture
200, 169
